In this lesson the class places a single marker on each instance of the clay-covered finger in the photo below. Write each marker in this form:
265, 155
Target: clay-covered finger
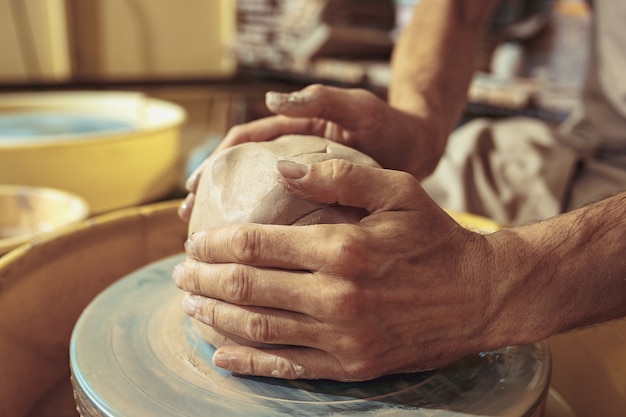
269, 128
349, 108
254, 324
291, 363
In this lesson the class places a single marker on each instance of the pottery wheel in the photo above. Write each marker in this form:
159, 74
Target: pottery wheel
135, 353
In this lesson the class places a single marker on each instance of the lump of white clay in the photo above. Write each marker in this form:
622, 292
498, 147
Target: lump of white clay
240, 185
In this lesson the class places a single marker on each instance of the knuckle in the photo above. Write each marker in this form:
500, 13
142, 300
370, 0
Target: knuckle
236, 130
206, 313
346, 304
316, 89
358, 367
353, 345
340, 169
350, 250
238, 286
192, 278
406, 181
317, 125
286, 369
370, 101
198, 248
361, 370
246, 244
258, 328
248, 365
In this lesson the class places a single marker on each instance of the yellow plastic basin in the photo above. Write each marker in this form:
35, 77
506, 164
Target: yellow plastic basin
110, 169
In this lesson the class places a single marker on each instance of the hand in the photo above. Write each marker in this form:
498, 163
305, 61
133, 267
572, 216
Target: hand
353, 117
406, 289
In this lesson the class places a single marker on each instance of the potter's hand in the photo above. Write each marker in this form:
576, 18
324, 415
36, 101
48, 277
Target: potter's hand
353, 117
401, 291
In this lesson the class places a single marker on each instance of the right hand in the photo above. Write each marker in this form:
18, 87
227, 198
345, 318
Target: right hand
406, 289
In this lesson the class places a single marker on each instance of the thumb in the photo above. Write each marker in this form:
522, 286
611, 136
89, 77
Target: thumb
338, 181
345, 107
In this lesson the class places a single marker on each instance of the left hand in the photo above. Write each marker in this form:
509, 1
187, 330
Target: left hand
411, 142
404, 290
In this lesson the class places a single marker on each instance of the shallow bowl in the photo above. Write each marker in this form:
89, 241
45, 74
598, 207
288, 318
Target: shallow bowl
28, 212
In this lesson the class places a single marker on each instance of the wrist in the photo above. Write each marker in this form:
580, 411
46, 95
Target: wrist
560, 274
429, 140
519, 299
477, 267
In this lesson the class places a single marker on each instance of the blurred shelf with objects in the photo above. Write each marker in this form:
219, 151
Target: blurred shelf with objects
532, 61
218, 58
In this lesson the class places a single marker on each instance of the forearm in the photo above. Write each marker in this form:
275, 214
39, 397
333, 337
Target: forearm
564, 273
434, 59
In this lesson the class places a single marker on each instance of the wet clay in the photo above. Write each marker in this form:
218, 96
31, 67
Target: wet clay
240, 185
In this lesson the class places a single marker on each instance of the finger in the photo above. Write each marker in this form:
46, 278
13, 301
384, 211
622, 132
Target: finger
246, 285
255, 324
191, 184
313, 248
338, 181
250, 361
269, 128
346, 107
305, 248
287, 363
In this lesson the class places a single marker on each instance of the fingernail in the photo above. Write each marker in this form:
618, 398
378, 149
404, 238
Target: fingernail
221, 360
189, 305
184, 210
192, 181
292, 170
274, 99
190, 248
178, 274
190, 244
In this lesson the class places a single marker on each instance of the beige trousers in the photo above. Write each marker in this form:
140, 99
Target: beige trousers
518, 170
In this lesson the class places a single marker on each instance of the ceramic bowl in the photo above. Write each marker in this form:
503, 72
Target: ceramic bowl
27, 212
115, 149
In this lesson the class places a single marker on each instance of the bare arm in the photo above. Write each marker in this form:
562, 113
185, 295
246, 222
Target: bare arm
433, 63
563, 273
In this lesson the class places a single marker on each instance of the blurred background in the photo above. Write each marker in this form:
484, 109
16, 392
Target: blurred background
216, 58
